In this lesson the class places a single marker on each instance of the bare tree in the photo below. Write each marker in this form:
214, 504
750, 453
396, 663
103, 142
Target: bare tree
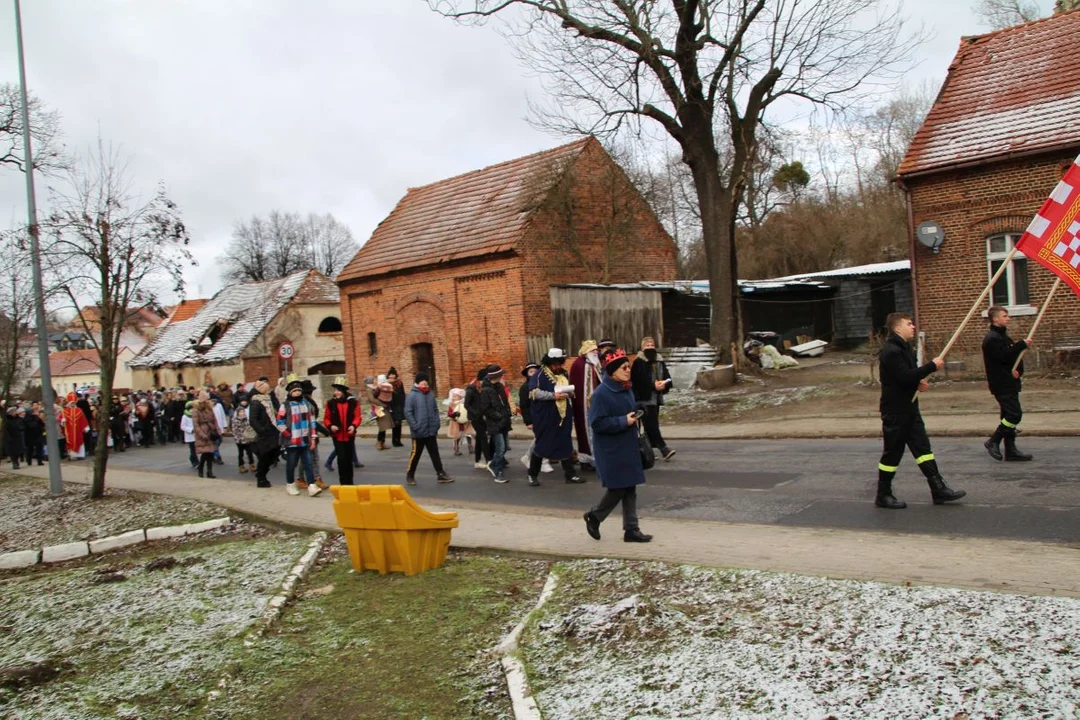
1061, 6
330, 243
49, 154
283, 243
707, 72
1000, 14
16, 308
103, 242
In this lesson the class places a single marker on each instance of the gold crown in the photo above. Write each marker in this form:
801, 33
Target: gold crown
341, 380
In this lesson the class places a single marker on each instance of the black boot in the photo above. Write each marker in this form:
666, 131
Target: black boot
1013, 453
636, 536
941, 492
993, 445
592, 525
885, 497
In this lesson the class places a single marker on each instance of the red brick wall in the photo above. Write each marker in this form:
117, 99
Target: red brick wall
972, 205
607, 234
257, 367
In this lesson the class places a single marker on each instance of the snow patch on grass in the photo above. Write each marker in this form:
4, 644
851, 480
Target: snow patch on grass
646, 640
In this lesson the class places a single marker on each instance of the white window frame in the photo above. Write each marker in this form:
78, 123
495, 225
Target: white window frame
1012, 306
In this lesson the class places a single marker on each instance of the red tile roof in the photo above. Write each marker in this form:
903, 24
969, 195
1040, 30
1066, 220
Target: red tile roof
187, 309
317, 290
1011, 92
481, 212
72, 362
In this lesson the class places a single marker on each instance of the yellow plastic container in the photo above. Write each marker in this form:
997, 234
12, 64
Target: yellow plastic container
387, 531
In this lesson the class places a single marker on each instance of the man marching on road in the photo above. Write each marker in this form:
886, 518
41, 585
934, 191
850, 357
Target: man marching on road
999, 355
901, 421
651, 382
495, 407
342, 417
423, 417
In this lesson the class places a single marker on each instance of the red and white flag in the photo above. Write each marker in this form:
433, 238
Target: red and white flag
1053, 237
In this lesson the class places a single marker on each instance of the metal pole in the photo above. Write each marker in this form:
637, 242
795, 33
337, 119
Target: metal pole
56, 484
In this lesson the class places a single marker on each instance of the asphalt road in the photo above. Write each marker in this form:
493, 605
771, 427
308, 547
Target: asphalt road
805, 483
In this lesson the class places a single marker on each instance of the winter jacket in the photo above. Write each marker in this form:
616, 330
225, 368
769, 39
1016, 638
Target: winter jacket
643, 375
386, 420
206, 427
900, 376
999, 354
524, 404
34, 430
615, 442
472, 404
344, 414
422, 414
261, 418
495, 407
553, 420
241, 424
187, 426
397, 405
296, 421
14, 436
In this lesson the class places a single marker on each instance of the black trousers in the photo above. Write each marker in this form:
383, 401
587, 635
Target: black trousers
266, 460
206, 462
395, 435
34, 451
536, 462
1011, 414
651, 420
431, 444
344, 450
898, 432
614, 496
241, 448
483, 444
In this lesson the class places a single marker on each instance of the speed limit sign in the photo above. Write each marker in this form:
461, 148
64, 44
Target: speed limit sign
285, 351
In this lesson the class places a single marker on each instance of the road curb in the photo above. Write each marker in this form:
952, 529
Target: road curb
517, 681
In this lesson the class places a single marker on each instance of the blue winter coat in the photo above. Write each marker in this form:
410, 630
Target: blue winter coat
552, 431
615, 444
422, 414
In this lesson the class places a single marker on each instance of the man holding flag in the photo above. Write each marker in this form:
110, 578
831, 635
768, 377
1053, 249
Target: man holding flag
1000, 355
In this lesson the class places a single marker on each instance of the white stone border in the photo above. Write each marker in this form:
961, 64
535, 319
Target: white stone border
517, 682
298, 572
70, 551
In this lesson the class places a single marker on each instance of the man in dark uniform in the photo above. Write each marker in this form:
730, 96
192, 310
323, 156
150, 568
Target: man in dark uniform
901, 422
999, 355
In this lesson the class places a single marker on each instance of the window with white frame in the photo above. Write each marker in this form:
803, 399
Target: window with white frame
1011, 289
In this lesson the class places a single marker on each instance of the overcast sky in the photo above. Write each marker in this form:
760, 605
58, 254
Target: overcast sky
247, 106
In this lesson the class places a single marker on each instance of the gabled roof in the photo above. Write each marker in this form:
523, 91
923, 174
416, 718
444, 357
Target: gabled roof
240, 313
472, 215
1011, 92
185, 309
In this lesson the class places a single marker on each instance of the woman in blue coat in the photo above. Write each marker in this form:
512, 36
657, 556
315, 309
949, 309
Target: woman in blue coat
615, 449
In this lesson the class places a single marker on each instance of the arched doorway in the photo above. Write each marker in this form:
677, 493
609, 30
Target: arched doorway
423, 360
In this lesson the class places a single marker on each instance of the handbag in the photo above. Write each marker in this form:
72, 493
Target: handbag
648, 455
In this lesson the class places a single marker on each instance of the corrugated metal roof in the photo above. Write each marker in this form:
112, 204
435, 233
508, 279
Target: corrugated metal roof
479, 213
1014, 91
871, 269
243, 311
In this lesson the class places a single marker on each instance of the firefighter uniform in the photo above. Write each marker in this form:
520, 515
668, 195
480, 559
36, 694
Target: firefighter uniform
902, 424
999, 354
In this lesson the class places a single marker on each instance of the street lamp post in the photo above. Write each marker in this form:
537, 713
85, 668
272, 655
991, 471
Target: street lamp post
56, 484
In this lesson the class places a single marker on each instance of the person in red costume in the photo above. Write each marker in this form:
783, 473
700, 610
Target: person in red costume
75, 428
585, 375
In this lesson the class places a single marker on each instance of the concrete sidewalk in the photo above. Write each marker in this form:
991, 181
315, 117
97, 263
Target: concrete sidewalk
975, 563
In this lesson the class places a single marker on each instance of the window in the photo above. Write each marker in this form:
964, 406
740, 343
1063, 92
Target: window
1011, 289
330, 325
373, 348
180, 379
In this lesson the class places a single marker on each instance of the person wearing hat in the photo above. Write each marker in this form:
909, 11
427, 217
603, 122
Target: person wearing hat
75, 427
342, 417
651, 381
422, 414
266, 444
482, 455
187, 427
296, 422
552, 416
495, 407
613, 417
585, 376
604, 348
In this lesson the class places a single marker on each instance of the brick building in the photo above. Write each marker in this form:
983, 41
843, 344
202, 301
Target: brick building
457, 275
1004, 128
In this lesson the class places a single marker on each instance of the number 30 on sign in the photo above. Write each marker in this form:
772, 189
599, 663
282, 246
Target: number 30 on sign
285, 350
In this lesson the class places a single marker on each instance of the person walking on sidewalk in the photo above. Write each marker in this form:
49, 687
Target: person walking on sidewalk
901, 422
15, 436
651, 382
422, 414
379, 394
552, 416
397, 406
296, 422
342, 417
613, 416
999, 356
207, 434
459, 425
482, 455
242, 432
187, 429
495, 407
267, 443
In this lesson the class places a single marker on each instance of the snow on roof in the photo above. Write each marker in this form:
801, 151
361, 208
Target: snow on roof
871, 269
243, 311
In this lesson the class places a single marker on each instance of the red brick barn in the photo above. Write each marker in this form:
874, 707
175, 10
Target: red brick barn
457, 276
1003, 130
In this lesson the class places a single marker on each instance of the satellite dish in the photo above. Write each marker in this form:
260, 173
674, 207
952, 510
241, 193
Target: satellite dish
931, 235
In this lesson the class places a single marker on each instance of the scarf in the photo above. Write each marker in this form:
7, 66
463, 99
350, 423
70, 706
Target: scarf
557, 380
